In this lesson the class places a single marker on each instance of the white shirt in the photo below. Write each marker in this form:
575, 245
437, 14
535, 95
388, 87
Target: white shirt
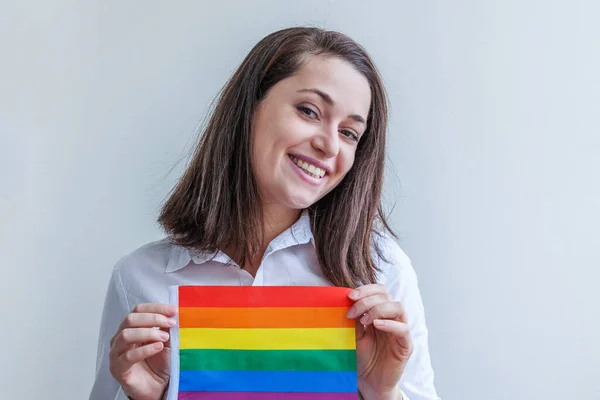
290, 260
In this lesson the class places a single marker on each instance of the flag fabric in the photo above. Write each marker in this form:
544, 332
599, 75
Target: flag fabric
262, 343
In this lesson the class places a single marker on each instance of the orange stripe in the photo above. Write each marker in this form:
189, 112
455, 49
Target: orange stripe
257, 317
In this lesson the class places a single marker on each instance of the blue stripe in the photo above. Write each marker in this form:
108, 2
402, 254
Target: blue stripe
267, 381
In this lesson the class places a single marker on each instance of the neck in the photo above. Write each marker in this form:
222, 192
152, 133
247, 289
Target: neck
276, 220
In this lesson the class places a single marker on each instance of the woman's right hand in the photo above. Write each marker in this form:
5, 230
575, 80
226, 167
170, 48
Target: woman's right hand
139, 353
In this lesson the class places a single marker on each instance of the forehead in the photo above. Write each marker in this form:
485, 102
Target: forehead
348, 88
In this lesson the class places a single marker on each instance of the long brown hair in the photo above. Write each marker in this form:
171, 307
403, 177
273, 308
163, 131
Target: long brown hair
216, 204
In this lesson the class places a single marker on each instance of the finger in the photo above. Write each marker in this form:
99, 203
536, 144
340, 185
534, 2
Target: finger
360, 330
364, 305
143, 320
124, 362
136, 336
147, 320
168, 342
389, 310
398, 329
156, 308
367, 290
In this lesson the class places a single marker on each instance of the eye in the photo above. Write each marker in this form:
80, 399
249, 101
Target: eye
349, 134
309, 112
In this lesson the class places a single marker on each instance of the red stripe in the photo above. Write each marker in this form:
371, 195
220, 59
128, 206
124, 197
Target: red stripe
265, 396
264, 296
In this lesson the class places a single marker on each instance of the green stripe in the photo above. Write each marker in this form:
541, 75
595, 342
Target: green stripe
268, 360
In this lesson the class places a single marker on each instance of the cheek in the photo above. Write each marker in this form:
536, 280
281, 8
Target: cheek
292, 132
346, 161
277, 136
260, 163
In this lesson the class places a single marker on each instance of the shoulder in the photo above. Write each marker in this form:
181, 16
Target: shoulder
395, 266
140, 274
397, 274
152, 254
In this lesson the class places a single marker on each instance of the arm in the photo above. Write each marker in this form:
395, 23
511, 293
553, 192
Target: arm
417, 382
115, 309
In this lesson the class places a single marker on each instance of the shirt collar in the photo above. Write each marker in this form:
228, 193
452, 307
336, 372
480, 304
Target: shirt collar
298, 233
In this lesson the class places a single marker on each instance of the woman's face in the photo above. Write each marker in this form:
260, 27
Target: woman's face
306, 131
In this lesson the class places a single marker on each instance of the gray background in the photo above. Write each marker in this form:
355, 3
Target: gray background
495, 130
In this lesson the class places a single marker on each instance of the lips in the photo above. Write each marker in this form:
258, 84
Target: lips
308, 168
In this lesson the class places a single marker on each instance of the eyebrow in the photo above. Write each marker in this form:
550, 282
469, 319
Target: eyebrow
327, 98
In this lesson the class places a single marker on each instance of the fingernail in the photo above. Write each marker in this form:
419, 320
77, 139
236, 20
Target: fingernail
353, 294
350, 313
164, 335
364, 319
379, 322
158, 345
171, 322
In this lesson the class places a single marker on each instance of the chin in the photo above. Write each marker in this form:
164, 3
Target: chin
300, 203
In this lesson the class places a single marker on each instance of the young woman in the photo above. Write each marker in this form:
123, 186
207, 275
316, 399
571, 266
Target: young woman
283, 189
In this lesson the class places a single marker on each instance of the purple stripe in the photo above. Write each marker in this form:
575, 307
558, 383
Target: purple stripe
265, 396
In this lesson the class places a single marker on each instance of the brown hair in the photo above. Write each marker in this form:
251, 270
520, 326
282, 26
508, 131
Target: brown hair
216, 204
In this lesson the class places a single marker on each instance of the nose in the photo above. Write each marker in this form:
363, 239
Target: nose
327, 141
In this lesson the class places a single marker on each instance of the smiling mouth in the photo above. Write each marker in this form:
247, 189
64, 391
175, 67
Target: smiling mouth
308, 169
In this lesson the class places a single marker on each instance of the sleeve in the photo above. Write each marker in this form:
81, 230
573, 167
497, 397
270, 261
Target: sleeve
417, 381
115, 309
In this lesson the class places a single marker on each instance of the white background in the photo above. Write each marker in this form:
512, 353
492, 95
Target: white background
494, 137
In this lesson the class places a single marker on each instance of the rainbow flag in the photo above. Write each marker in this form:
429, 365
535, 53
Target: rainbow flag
262, 343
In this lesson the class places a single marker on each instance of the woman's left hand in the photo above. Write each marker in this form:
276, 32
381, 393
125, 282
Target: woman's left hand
383, 342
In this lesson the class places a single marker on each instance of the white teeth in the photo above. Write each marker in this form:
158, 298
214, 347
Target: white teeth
309, 169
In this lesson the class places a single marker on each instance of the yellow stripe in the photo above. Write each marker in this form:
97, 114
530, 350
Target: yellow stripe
268, 339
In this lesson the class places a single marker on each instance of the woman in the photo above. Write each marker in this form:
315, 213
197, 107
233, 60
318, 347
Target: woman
283, 189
